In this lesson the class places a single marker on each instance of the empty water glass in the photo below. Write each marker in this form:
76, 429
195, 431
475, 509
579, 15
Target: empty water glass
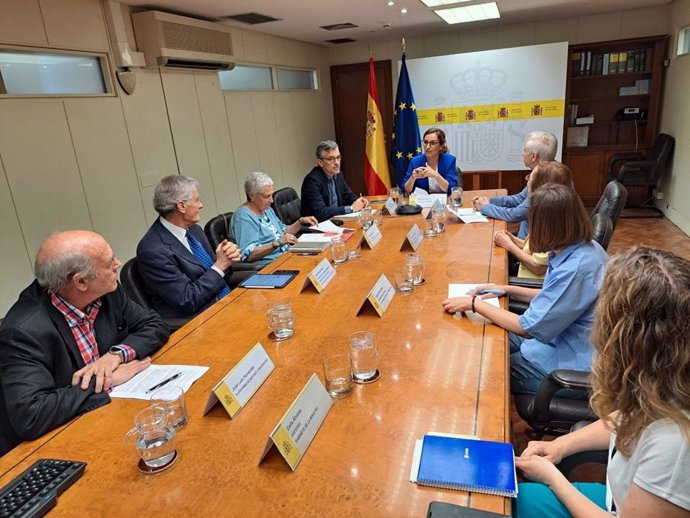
281, 320
171, 400
414, 268
394, 194
403, 285
339, 250
456, 197
337, 371
429, 228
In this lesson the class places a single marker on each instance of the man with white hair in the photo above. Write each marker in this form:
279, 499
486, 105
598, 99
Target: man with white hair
71, 336
182, 273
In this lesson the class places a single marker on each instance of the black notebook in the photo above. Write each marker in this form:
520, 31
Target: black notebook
468, 465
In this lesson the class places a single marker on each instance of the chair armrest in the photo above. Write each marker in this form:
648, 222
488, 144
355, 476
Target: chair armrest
571, 378
623, 157
526, 282
555, 381
246, 267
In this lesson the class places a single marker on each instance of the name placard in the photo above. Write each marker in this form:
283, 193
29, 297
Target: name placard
320, 276
379, 297
413, 239
241, 383
296, 429
391, 207
372, 236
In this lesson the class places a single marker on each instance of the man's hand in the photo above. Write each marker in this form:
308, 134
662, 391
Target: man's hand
226, 254
479, 201
359, 204
308, 220
126, 371
102, 369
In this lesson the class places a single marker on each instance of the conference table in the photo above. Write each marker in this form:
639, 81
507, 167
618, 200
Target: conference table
438, 373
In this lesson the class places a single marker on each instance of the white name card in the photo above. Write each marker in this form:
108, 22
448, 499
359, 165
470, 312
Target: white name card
469, 215
413, 239
372, 236
438, 204
242, 382
391, 207
379, 297
296, 429
320, 276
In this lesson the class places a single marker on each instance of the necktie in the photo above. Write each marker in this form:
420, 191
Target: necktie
205, 259
332, 196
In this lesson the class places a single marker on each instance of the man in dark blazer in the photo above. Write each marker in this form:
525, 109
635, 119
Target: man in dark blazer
71, 336
324, 191
182, 273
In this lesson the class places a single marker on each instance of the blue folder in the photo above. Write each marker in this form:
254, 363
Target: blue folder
468, 465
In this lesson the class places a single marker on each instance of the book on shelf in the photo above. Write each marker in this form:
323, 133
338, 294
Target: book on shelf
605, 64
577, 136
572, 114
586, 119
613, 65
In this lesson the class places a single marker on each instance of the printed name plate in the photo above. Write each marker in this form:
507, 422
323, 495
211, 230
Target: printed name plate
413, 239
296, 429
379, 297
372, 236
241, 383
391, 207
320, 276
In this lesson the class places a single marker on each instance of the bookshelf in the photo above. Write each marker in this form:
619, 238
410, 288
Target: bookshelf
614, 89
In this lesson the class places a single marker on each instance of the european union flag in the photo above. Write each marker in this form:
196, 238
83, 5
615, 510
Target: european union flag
406, 142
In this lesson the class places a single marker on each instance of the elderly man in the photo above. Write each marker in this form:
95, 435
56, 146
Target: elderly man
324, 191
183, 274
72, 335
540, 146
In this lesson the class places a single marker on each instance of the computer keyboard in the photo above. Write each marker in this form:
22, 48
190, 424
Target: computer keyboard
34, 492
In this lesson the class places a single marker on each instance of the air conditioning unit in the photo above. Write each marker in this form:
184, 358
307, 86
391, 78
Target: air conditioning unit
169, 40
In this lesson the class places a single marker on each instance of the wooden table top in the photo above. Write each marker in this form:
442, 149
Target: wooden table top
437, 374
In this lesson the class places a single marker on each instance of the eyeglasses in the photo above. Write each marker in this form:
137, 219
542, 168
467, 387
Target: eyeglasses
331, 159
431, 142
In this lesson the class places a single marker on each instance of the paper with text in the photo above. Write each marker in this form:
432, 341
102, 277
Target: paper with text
140, 385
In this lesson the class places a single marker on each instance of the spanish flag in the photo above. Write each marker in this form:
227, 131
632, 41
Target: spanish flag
376, 174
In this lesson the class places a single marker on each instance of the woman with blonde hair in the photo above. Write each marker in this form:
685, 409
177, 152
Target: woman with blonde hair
641, 382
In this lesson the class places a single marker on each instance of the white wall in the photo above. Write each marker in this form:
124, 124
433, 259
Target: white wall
93, 162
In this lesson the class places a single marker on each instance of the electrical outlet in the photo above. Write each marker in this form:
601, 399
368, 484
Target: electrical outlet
659, 195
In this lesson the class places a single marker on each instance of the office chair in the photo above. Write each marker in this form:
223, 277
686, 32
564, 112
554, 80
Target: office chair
217, 229
133, 284
635, 170
612, 202
287, 205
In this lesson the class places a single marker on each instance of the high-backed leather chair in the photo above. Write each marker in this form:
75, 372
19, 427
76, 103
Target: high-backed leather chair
612, 202
217, 229
287, 205
635, 170
135, 289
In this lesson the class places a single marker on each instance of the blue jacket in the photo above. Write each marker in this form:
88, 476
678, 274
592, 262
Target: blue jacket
513, 209
446, 168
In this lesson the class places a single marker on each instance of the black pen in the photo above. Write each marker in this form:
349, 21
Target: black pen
164, 382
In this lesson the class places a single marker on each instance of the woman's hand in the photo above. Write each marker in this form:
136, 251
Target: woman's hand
288, 239
457, 304
419, 173
537, 468
490, 291
550, 450
308, 220
502, 239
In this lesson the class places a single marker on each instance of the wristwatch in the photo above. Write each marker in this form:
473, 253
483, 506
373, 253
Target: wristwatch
276, 244
117, 351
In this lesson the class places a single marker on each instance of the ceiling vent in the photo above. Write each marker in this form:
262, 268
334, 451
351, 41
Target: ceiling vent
169, 40
339, 26
251, 18
339, 41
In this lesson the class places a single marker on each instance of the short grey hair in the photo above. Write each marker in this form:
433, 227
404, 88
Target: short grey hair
55, 273
326, 145
256, 182
172, 189
544, 144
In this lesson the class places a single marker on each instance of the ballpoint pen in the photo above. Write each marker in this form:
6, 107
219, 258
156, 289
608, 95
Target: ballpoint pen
164, 382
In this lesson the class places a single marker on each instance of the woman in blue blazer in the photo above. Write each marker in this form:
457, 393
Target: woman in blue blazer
435, 170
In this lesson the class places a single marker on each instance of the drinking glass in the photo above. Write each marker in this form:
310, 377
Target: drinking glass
171, 400
337, 371
414, 267
281, 320
354, 248
456, 197
364, 356
403, 285
438, 218
153, 437
394, 194
366, 218
378, 218
429, 228
339, 250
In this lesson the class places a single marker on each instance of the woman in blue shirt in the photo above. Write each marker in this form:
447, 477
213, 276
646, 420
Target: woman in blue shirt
434, 171
256, 228
554, 331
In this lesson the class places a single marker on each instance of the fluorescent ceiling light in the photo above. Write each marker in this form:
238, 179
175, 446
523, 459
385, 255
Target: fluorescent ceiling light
470, 13
436, 3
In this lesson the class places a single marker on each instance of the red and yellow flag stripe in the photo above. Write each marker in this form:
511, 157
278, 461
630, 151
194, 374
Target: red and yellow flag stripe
376, 173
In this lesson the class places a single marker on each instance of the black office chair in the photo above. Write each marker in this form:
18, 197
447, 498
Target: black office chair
217, 229
287, 205
134, 287
612, 202
635, 170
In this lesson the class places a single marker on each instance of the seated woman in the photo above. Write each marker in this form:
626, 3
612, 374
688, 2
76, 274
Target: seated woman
553, 333
641, 394
256, 228
434, 171
533, 265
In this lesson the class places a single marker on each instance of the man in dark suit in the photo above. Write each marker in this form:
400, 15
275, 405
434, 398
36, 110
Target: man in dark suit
182, 273
71, 336
324, 191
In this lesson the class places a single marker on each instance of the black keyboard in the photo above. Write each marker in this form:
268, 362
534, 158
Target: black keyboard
34, 492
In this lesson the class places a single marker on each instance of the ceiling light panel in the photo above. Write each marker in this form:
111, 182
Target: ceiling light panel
470, 13
436, 3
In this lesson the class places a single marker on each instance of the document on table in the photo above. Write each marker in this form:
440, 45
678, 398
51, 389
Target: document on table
139, 387
327, 226
460, 290
315, 238
426, 200
469, 215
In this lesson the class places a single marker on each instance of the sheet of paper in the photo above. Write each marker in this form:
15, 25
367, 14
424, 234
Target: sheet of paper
315, 238
426, 200
460, 290
139, 387
327, 226
463, 212
351, 215
469, 215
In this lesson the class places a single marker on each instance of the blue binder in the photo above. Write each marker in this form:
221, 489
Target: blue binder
468, 465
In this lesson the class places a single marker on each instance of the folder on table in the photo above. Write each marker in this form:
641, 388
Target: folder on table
468, 465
